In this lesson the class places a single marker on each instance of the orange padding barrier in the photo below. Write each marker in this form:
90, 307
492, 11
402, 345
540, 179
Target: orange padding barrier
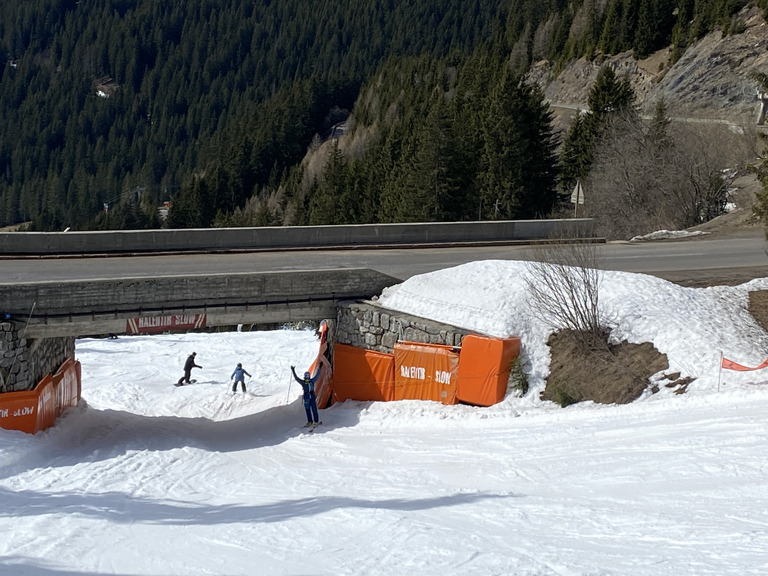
484, 366
323, 389
362, 374
34, 410
477, 374
426, 372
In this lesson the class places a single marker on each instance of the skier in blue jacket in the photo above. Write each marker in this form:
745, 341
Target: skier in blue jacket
239, 376
310, 401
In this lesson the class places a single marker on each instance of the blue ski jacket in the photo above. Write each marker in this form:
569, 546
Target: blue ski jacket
238, 374
307, 384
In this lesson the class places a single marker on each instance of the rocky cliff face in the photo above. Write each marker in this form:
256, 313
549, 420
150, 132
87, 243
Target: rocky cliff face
710, 81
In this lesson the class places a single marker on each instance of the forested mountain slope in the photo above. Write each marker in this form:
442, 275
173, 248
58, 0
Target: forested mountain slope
100, 98
455, 140
111, 107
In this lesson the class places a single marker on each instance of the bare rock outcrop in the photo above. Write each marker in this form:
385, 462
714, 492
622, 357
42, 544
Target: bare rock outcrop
710, 81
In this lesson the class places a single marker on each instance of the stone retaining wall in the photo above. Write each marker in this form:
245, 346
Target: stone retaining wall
23, 362
369, 326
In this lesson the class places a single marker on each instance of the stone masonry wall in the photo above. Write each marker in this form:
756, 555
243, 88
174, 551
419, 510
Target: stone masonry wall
23, 362
369, 326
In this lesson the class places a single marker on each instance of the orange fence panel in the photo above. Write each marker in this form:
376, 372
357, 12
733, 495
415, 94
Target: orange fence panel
477, 374
18, 411
361, 374
46, 404
484, 366
67, 385
425, 372
34, 410
79, 373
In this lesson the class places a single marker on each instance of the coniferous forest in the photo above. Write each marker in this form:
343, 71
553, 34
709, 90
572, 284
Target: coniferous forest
111, 108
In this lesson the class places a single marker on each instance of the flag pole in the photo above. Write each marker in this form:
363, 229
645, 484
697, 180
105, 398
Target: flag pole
720, 373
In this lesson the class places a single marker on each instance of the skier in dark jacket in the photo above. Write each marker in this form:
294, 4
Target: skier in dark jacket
310, 401
188, 365
239, 375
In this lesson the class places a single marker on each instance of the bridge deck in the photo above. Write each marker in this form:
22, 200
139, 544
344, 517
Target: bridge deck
76, 308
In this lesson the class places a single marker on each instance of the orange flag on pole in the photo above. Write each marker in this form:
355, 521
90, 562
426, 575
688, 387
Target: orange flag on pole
731, 365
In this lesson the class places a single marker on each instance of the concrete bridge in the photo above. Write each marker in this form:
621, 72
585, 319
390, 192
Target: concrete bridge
40, 321
78, 308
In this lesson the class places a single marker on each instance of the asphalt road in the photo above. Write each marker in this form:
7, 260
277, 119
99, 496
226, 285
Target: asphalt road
699, 260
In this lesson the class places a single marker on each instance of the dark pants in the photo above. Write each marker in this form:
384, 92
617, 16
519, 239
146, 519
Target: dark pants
185, 379
310, 407
234, 388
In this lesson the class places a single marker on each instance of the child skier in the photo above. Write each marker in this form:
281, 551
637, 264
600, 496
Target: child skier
239, 376
310, 401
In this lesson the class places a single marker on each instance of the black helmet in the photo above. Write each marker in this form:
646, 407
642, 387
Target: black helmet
239, 365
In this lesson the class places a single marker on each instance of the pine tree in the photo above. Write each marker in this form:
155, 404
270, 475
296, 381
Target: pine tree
611, 37
394, 202
519, 174
433, 188
331, 202
607, 96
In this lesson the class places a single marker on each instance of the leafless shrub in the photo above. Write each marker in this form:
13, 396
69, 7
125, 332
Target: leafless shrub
647, 178
623, 192
702, 154
563, 282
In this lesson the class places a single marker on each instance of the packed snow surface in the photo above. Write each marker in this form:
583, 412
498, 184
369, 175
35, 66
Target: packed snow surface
147, 478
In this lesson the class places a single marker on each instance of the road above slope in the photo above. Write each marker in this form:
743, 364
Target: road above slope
724, 259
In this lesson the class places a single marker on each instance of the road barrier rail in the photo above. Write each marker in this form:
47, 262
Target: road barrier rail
352, 236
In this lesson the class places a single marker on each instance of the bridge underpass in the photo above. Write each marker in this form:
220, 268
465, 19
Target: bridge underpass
41, 320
